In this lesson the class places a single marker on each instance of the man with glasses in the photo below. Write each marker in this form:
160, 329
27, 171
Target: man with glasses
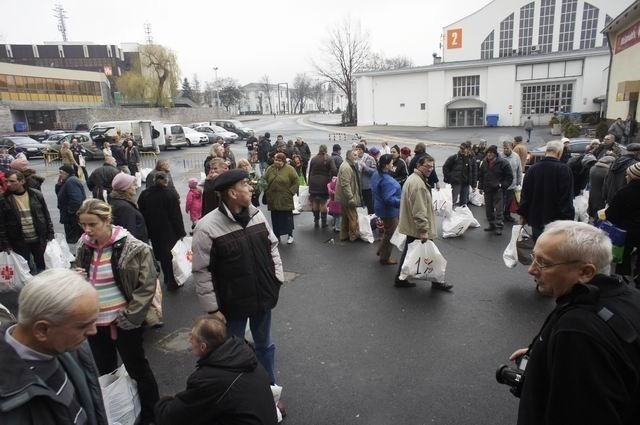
584, 365
26, 224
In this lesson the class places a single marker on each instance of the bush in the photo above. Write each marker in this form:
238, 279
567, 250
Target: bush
571, 130
601, 130
553, 120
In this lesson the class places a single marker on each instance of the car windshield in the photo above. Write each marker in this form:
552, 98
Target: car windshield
23, 140
55, 137
217, 129
236, 123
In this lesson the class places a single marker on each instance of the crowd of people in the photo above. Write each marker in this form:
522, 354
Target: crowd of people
121, 237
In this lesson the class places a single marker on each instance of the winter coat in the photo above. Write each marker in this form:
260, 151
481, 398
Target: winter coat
604, 149
460, 170
617, 129
597, 174
282, 185
11, 228
305, 152
547, 193
337, 159
401, 170
150, 181
78, 151
193, 204
521, 150
71, 195
433, 179
133, 270
366, 167
348, 189
321, 169
616, 177
236, 268
67, 157
118, 154
516, 169
416, 208
133, 155
100, 180
229, 386
386, 195
26, 400
33, 180
624, 211
210, 198
495, 175
264, 147
160, 208
126, 214
334, 207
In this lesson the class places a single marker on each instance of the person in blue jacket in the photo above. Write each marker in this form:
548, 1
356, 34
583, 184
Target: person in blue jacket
386, 199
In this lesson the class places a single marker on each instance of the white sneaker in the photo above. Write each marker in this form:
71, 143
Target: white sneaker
290, 240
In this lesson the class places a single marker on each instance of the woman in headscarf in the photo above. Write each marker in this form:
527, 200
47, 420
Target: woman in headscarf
282, 183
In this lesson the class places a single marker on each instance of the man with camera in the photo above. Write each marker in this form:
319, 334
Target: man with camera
584, 365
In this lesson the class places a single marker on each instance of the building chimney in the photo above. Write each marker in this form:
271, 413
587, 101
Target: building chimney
436, 59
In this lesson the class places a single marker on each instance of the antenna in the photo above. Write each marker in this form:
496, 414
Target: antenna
61, 16
147, 33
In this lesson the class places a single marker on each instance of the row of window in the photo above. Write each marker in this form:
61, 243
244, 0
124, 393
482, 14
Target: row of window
20, 84
49, 97
547, 98
469, 85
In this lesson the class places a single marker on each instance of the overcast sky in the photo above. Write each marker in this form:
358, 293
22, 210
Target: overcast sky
243, 39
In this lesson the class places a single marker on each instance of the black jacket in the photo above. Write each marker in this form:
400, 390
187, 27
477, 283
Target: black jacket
229, 386
11, 228
100, 179
547, 193
71, 195
433, 177
615, 178
495, 176
126, 214
579, 371
160, 208
460, 169
118, 155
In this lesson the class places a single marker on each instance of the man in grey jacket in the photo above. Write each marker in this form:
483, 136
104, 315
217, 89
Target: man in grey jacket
516, 184
366, 167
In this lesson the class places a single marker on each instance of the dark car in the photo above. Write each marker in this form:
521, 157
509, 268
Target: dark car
22, 144
236, 127
54, 143
577, 146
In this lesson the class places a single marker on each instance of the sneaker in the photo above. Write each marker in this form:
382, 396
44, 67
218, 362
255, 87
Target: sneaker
290, 240
404, 284
442, 286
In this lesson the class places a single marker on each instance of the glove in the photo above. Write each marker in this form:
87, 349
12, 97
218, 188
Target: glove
123, 323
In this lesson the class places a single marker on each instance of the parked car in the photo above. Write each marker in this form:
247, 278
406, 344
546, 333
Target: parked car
22, 144
213, 132
54, 143
577, 146
174, 136
40, 137
195, 138
236, 127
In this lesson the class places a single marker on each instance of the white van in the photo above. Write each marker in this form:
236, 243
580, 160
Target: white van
174, 136
142, 131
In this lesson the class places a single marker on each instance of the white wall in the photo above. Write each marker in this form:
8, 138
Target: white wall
624, 67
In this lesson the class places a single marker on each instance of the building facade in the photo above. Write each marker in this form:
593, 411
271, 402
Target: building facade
509, 59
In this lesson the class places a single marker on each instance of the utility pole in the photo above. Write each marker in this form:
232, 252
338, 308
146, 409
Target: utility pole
147, 33
61, 16
215, 70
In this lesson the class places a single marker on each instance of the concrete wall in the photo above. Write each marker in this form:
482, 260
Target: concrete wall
6, 123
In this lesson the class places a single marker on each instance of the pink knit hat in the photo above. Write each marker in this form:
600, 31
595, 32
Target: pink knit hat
122, 181
19, 164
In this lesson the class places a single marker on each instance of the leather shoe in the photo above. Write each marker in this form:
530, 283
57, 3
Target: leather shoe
404, 284
490, 228
389, 262
498, 231
442, 286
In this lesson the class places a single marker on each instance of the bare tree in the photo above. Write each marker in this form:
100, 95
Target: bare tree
346, 52
197, 90
331, 92
266, 88
162, 63
260, 107
301, 90
378, 62
318, 93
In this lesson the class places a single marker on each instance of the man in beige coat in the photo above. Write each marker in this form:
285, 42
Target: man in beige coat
349, 195
417, 219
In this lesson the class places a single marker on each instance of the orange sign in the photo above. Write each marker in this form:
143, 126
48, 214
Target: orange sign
454, 38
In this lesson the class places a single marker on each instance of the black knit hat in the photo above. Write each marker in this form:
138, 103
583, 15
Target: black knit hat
337, 148
68, 169
492, 148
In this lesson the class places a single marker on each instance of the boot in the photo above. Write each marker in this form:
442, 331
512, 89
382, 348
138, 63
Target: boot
324, 220
316, 219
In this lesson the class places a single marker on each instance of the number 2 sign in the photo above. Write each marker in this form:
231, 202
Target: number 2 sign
454, 38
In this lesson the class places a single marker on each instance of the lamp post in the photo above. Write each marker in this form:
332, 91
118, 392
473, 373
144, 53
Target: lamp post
215, 70
287, 108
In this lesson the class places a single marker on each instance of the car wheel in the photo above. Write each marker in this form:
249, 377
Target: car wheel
178, 147
189, 143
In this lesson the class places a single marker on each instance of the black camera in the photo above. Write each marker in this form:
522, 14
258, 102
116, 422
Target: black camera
512, 377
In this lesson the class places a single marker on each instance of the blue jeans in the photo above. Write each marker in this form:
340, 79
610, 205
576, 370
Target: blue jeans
260, 324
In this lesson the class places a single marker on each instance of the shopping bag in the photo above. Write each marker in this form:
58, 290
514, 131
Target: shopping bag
14, 271
442, 201
524, 245
303, 202
510, 254
144, 173
618, 237
458, 222
475, 197
276, 391
398, 239
53, 257
580, 205
423, 261
364, 225
64, 246
182, 258
138, 179
120, 396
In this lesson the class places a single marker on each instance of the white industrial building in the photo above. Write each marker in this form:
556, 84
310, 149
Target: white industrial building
510, 59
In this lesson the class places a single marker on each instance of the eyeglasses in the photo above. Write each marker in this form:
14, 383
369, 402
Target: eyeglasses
541, 265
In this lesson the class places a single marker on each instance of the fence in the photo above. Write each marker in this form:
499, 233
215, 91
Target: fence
337, 137
193, 161
148, 159
50, 158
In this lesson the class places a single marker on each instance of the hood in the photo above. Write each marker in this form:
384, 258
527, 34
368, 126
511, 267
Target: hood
621, 164
117, 233
233, 355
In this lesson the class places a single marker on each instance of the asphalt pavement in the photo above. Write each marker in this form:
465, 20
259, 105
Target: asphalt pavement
351, 348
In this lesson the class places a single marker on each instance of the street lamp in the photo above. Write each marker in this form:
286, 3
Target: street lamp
215, 70
287, 109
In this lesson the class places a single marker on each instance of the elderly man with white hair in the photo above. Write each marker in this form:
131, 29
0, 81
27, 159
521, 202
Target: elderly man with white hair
48, 373
584, 365
547, 191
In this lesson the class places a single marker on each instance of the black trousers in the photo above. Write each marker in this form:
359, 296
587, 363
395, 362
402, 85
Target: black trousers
165, 258
494, 207
367, 199
129, 345
72, 229
35, 249
404, 254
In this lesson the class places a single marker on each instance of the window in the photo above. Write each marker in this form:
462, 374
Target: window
545, 33
589, 26
423, 106
486, 48
526, 28
547, 98
506, 37
466, 86
402, 105
567, 24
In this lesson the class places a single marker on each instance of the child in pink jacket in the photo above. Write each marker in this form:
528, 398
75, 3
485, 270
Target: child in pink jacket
333, 206
194, 202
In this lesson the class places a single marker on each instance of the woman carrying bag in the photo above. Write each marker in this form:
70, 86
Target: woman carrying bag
282, 184
386, 200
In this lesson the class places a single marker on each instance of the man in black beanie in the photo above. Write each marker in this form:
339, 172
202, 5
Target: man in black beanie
495, 176
336, 155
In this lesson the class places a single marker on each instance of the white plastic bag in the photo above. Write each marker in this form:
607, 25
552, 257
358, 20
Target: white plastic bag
398, 239
144, 173
138, 176
303, 203
182, 260
510, 254
423, 261
276, 390
57, 254
120, 395
580, 205
458, 222
364, 225
475, 197
14, 271
442, 201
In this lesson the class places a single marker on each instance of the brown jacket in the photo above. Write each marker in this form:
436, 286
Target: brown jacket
416, 208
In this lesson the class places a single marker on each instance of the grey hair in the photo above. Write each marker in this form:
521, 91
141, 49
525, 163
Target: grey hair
554, 146
50, 296
161, 162
583, 242
507, 144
